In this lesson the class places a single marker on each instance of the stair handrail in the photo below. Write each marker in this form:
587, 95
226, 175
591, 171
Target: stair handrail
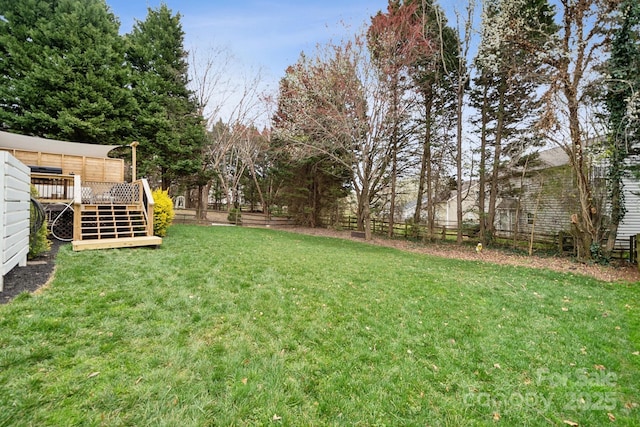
147, 204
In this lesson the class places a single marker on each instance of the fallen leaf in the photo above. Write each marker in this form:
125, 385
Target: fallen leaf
612, 417
599, 367
434, 367
565, 309
496, 416
276, 417
244, 381
571, 423
93, 374
636, 353
497, 366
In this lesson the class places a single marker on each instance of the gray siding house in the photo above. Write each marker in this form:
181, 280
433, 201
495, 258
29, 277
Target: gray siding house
542, 198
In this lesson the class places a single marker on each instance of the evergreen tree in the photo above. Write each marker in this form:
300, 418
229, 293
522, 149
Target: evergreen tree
169, 127
433, 75
506, 89
62, 71
623, 105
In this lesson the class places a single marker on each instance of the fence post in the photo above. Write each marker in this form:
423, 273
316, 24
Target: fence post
635, 250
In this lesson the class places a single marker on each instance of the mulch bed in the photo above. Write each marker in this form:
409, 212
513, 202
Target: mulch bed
32, 277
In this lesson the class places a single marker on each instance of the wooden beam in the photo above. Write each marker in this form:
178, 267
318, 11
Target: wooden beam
127, 242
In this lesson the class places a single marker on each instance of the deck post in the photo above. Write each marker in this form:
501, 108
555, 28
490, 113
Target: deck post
77, 207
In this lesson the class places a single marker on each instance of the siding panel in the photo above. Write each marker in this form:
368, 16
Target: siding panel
14, 213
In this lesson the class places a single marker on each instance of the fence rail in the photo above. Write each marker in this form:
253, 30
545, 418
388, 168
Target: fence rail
561, 243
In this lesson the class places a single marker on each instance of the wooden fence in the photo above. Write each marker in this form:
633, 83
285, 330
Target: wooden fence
561, 243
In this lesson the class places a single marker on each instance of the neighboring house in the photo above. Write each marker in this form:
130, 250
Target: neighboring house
630, 225
543, 197
447, 208
539, 196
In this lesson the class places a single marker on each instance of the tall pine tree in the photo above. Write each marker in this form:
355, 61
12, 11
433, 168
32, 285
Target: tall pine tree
509, 76
62, 71
169, 127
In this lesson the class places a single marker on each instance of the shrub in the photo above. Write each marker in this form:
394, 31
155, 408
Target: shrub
38, 241
162, 213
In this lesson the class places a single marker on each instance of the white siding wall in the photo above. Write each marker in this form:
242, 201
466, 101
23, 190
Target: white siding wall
15, 181
630, 224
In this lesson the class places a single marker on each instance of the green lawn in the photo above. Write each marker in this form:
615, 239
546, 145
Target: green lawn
235, 326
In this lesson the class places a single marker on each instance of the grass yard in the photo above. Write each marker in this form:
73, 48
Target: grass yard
234, 326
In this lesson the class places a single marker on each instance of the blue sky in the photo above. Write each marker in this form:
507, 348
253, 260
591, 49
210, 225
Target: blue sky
263, 34
264, 37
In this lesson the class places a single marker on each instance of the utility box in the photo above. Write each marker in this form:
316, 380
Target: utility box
14, 213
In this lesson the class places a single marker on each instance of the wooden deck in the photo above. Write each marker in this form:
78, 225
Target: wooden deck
97, 215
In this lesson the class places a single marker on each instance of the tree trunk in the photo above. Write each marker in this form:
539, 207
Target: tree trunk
585, 232
394, 173
482, 178
203, 201
497, 154
426, 170
459, 161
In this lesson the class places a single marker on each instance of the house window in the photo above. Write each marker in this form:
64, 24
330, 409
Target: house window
530, 217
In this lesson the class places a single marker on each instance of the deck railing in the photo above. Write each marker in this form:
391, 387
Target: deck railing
107, 193
53, 187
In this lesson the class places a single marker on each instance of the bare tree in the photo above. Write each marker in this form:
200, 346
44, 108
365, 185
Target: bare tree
573, 55
463, 74
232, 104
337, 105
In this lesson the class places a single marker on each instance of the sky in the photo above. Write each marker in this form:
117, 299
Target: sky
264, 37
265, 34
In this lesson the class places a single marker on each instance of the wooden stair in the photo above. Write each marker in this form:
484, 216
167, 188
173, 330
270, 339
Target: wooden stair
113, 226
